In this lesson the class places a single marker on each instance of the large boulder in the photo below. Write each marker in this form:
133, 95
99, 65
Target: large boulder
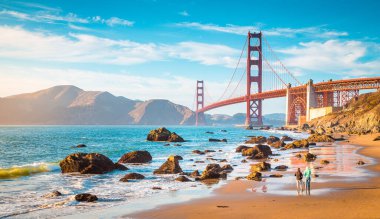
241, 148
86, 197
257, 152
303, 143
136, 157
277, 144
262, 166
162, 134
212, 171
92, 163
132, 176
171, 166
257, 176
320, 138
256, 140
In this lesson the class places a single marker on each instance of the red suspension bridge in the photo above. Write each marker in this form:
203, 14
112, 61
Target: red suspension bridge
267, 77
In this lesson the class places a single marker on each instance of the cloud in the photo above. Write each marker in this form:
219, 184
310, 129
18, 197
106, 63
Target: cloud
207, 54
50, 16
243, 30
184, 13
332, 57
18, 43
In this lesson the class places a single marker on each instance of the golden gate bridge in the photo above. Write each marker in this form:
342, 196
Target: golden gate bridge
267, 77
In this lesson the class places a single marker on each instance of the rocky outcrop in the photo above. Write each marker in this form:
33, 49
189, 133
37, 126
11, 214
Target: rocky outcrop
257, 152
256, 140
257, 176
182, 179
136, 157
171, 166
297, 144
132, 176
213, 171
162, 134
309, 157
241, 148
320, 138
360, 116
83, 163
86, 197
217, 140
262, 166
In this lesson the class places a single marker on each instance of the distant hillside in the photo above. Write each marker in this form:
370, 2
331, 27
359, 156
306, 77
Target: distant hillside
275, 119
361, 115
69, 105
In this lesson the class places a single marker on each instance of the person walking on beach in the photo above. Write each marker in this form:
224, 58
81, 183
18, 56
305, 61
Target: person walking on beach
307, 175
299, 177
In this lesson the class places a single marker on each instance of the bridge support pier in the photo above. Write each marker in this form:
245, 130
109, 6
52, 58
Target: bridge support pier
311, 98
199, 116
254, 58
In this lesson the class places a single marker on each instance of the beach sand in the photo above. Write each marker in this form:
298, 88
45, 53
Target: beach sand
352, 199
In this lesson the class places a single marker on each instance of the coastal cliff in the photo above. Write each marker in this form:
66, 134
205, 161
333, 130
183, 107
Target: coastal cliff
360, 116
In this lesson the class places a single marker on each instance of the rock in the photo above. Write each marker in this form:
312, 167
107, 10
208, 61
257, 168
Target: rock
320, 138
297, 144
298, 156
156, 188
277, 144
377, 138
199, 161
325, 162
132, 176
227, 168
256, 140
198, 152
182, 179
209, 151
162, 134
208, 132
286, 138
217, 140
223, 160
257, 176
305, 127
281, 168
309, 157
257, 152
262, 166
241, 148
84, 163
272, 139
171, 166
195, 174
212, 171
52, 194
177, 145
167, 144
320, 130
120, 167
310, 131
360, 162
275, 160
239, 177
86, 197
136, 157
244, 161
275, 175
81, 146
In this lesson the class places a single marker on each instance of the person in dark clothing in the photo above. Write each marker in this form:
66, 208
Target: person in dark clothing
299, 177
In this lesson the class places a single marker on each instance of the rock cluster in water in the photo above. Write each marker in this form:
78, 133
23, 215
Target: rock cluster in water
136, 157
162, 134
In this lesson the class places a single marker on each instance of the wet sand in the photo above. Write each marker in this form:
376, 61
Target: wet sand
344, 199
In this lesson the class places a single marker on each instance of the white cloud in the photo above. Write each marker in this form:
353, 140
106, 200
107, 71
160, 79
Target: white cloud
207, 54
18, 43
184, 13
332, 57
50, 16
243, 30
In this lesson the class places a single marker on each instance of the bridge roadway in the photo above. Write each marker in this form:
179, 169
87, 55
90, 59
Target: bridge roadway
329, 86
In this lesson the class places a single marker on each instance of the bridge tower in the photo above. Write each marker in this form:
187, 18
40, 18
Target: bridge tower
199, 102
254, 76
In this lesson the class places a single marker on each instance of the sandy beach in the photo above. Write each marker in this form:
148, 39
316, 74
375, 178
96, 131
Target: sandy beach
344, 199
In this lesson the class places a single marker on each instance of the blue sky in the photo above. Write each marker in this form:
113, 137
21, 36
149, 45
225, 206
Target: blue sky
150, 49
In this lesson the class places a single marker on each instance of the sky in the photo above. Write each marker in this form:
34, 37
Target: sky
155, 49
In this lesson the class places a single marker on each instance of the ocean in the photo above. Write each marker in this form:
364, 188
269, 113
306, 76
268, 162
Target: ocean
30, 155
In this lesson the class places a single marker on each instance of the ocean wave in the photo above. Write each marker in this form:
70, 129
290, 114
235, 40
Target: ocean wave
26, 170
